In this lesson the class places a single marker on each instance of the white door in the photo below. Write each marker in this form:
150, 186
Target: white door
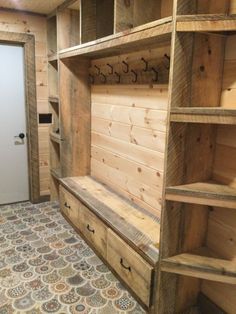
14, 181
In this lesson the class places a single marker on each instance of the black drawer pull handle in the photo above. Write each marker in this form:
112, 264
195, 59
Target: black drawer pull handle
66, 205
89, 229
125, 267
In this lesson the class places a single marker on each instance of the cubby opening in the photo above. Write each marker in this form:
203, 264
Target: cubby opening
55, 160
69, 26
205, 154
208, 70
52, 35
54, 106
129, 100
204, 78
53, 79
206, 7
207, 246
96, 19
196, 296
131, 13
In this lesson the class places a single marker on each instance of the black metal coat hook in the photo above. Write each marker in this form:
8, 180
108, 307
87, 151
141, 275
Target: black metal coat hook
146, 64
127, 67
118, 77
135, 76
111, 67
91, 77
104, 77
168, 58
156, 75
99, 70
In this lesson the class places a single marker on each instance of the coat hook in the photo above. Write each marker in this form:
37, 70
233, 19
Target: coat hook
91, 77
111, 67
127, 67
168, 58
135, 76
146, 64
118, 77
156, 75
104, 77
99, 70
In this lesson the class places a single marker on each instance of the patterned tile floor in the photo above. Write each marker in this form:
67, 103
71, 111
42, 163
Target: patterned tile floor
45, 267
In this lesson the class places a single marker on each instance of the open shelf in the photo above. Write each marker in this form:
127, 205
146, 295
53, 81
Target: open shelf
56, 173
53, 99
201, 266
215, 115
205, 193
135, 13
206, 23
55, 137
53, 58
153, 33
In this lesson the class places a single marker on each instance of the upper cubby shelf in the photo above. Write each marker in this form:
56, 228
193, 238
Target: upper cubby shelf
206, 23
146, 35
204, 193
216, 115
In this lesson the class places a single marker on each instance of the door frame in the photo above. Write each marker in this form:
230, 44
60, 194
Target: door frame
28, 43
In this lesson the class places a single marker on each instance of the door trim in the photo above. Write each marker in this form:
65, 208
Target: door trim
28, 43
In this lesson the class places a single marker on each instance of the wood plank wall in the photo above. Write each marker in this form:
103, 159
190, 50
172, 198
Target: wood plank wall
128, 140
36, 25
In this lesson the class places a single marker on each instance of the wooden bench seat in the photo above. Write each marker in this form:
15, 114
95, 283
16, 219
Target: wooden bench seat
136, 226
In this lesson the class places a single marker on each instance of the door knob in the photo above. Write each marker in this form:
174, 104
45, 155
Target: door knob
21, 136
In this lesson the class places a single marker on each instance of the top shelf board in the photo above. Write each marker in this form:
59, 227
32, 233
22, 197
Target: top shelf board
215, 115
147, 35
206, 23
204, 193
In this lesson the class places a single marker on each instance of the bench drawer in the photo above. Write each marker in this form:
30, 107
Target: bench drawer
130, 266
95, 231
70, 206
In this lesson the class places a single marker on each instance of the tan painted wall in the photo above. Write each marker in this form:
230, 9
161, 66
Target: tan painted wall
36, 25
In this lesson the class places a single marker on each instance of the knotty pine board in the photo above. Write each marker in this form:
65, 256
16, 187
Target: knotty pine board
36, 25
128, 140
224, 168
228, 95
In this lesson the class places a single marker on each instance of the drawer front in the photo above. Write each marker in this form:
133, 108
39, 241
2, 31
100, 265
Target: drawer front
131, 267
95, 231
70, 206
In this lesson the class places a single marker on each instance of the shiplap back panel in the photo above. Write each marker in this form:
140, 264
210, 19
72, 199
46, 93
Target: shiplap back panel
128, 140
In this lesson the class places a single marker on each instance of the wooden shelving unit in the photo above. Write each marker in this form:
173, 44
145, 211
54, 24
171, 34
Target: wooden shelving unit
197, 256
111, 77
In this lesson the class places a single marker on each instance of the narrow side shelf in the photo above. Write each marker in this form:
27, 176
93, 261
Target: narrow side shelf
53, 57
215, 115
204, 193
55, 137
148, 35
56, 173
53, 99
206, 23
204, 267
